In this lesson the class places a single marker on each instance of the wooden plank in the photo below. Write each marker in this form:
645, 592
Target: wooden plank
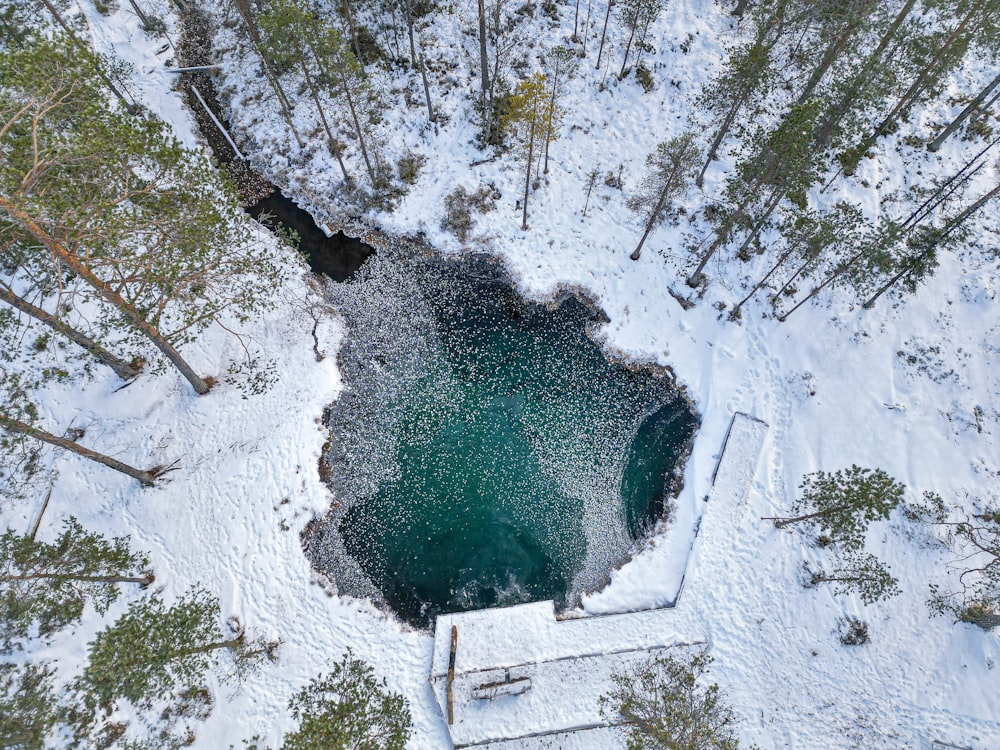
451, 674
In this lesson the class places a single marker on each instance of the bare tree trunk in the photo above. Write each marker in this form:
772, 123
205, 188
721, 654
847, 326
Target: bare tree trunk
723, 234
21, 428
586, 31
353, 29
829, 58
926, 76
105, 290
628, 48
527, 176
551, 114
735, 312
331, 141
122, 369
604, 33
357, 129
773, 204
418, 60
484, 65
825, 131
652, 220
782, 522
717, 141
791, 280
963, 115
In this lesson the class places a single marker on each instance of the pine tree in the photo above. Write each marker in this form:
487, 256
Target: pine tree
962, 116
154, 651
860, 573
810, 239
561, 65
20, 456
838, 24
748, 70
417, 59
636, 15
782, 164
349, 79
931, 56
49, 585
256, 39
124, 370
868, 81
843, 503
28, 706
349, 708
291, 39
668, 172
148, 229
529, 115
664, 706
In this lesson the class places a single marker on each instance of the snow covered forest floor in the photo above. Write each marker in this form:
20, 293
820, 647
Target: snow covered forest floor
910, 386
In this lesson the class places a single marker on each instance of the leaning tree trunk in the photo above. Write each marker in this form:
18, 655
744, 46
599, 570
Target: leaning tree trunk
243, 7
628, 48
652, 221
926, 76
122, 369
357, 129
331, 141
963, 115
717, 141
957, 221
353, 29
829, 58
134, 317
144, 581
826, 130
22, 428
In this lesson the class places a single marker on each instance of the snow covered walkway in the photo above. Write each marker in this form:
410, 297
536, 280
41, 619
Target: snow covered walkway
545, 676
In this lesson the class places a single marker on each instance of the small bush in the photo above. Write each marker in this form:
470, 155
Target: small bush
459, 205
645, 78
409, 166
853, 632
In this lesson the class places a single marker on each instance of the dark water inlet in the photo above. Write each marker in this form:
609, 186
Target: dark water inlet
338, 256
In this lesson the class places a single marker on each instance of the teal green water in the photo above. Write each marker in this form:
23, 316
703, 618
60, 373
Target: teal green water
489, 451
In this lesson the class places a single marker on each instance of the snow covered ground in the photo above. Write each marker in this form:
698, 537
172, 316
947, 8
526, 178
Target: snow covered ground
911, 388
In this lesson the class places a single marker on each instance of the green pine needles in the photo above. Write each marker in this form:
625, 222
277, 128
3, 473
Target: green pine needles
49, 585
349, 709
154, 651
841, 505
663, 705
